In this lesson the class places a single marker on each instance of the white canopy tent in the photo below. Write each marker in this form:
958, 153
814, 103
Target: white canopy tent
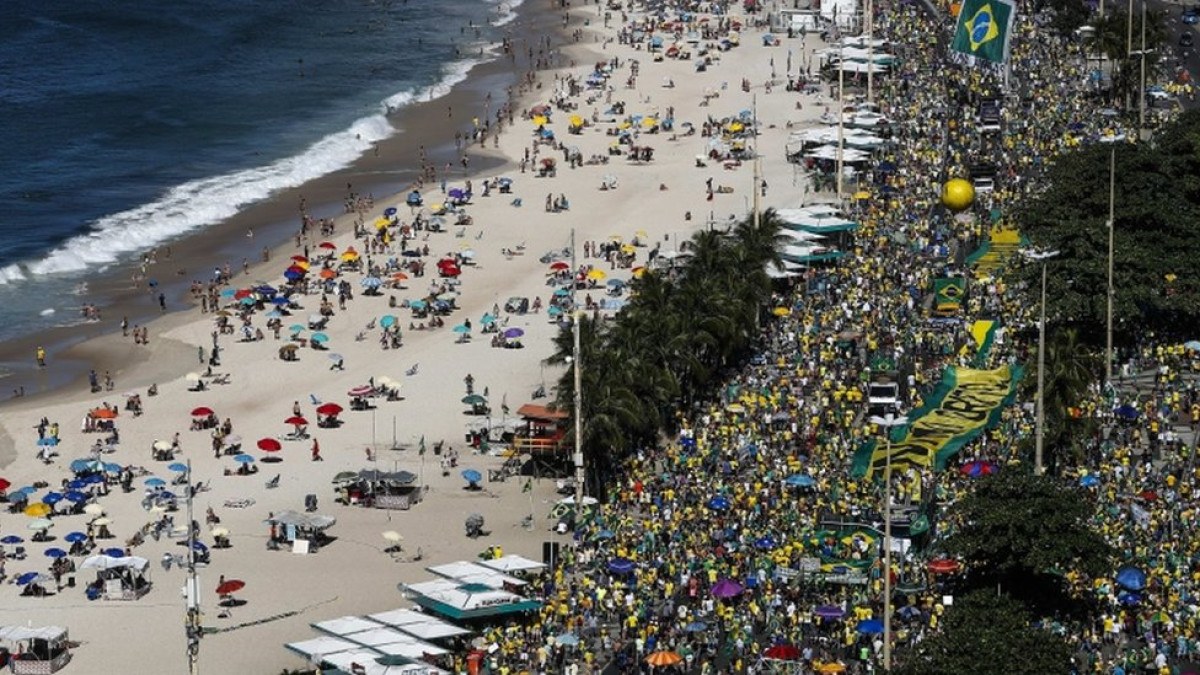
513, 563
470, 572
369, 663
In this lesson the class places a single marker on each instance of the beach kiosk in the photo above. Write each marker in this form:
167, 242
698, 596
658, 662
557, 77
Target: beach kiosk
305, 533
126, 578
468, 601
36, 651
542, 434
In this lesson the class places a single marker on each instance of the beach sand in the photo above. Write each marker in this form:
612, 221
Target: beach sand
353, 575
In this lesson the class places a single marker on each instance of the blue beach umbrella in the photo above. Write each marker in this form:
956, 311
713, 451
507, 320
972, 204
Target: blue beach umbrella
1131, 578
371, 282
50, 441
461, 328
296, 328
243, 459
621, 565
266, 290
75, 496
228, 293
55, 553
27, 490
279, 300
85, 465
93, 478
718, 503
247, 301
178, 467
319, 338
28, 578
292, 274
155, 481
870, 626
12, 539
387, 321
471, 476
72, 537
77, 484
389, 211
554, 310
112, 467
274, 314
199, 546
114, 552
487, 319
52, 498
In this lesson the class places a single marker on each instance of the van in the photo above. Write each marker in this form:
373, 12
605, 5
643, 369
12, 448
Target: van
883, 398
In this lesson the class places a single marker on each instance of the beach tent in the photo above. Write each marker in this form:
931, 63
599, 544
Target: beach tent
295, 526
511, 564
39, 650
787, 270
316, 649
125, 578
370, 663
419, 625
469, 572
466, 601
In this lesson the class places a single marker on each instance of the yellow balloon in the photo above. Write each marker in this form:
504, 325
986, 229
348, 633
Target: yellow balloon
958, 194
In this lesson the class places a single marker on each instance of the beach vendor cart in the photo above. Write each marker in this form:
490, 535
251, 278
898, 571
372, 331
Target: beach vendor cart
299, 532
36, 651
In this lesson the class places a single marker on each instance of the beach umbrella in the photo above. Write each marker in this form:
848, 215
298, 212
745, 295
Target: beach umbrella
70, 537
943, 566
335, 357
77, 484
161, 445
596, 274
114, 552
389, 211
31, 577
230, 586
37, 510
471, 476
718, 503
178, 467
621, 565
24, 491
1089, 480
192, 377
487, 319
399, 276
75, 496
345, 477
52, 498
48, 441
4, 484
726, 588
85, 465
296, 328
55, 553
329, 409
12, 539
1131, 578
393, 536
270, 290
319, 338
387, 321
473, 399
228, 292
360, 391
371, 282
829, 612
39, 524
202, 411
513, 333
293, 273
155, 482
664, 659
870, 626
111, 467
559, 266
243, 459
461, 329
279, 301
94, 510
782, 652
269, 445
296, 420
799, 480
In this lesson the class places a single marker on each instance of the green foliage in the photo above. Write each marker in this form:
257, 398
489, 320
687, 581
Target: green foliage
1070, 368
671, 342
1157, 202
1018, 532
986, 634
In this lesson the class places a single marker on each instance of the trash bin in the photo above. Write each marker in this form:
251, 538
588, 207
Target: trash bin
71, 582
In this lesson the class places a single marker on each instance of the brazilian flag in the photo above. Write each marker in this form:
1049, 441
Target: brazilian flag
948, 293
983, 30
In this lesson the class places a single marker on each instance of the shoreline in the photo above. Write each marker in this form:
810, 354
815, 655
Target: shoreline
386, 173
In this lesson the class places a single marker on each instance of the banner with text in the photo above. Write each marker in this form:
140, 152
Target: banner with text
964, 405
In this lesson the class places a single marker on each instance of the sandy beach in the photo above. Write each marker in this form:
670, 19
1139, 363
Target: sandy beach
664, 199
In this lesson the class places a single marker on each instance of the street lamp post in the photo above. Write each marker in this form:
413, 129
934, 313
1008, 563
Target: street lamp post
1112, 192
1039, 438
887, 422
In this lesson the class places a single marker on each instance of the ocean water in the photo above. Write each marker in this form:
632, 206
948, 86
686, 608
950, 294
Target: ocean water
128, 124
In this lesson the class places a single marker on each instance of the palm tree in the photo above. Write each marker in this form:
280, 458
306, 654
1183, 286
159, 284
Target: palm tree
1070, 369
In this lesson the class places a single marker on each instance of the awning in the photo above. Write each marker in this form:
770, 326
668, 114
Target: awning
513, 563
542, 413
50, 633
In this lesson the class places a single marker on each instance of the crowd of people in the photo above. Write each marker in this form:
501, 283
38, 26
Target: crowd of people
702, 547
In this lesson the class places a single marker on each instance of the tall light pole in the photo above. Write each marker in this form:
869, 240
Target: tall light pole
841, 119
887, 422
191, 592
871, 51
1112, 193
1039, 438
577, 456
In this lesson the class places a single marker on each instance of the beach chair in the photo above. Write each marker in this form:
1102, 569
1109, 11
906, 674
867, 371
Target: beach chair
223, 378
274, 482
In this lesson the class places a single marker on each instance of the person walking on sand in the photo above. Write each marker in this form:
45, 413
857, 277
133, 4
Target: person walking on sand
41, 357
316, 451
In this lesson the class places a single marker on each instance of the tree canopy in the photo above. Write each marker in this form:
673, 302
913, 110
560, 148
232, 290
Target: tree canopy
668, 347
1157, 202
1021, 533
987, 634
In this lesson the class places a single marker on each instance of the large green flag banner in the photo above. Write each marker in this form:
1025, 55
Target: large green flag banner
983, 30
965, 404
948, 293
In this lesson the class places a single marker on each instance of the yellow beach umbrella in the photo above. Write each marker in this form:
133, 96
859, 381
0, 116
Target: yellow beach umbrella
381, 223
624, 125
37, 510
628, 249
735, 127
641, 234
638, 272
540, 120
649, 122
596, 275
576, 121
349, 255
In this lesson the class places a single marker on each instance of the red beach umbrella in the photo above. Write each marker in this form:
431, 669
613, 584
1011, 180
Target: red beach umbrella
329, 409
327, 245
943, 566
560, 266
782, 653
230, 586
4, 484
296, 420
269, 445
363, 390
299, 258
202, 411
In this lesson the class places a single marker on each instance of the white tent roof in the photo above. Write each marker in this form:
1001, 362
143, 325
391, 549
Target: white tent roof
377, 636
366, 662
412, 648
451, 592
808, 212
831, 152
433, 629
473, 573
106, 562
346, 624
320, 647
27, 633
801, 237
400, 617
513, 563
787, 271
